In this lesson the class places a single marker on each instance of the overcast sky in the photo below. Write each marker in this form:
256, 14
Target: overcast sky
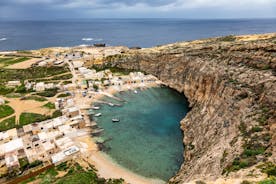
190, 9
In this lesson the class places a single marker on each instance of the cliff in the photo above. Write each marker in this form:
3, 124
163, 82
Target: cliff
230, 84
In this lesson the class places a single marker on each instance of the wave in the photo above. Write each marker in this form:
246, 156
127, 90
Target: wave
91, 39
3, 39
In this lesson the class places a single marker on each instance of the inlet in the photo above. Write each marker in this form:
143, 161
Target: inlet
147, 140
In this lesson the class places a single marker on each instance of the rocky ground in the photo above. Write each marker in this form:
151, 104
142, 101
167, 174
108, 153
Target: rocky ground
230, 84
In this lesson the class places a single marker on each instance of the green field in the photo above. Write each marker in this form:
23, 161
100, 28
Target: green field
49, 105
30, 73
35, 98
6, 61
7, 124
5, 111
28, 118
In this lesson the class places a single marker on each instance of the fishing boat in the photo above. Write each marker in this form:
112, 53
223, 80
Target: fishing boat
98, 114
114, 120
95, 107
111, 104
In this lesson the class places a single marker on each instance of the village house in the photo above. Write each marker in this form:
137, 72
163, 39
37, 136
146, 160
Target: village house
14, 83
2, 101
40, 86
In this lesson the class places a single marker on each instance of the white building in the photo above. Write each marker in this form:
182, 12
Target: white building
14, 83
2, 101
40, 86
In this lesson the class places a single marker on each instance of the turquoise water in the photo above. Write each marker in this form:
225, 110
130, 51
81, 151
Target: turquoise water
148, 139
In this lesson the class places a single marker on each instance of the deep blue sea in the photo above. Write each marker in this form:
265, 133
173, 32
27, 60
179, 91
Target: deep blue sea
148, 138
23, 35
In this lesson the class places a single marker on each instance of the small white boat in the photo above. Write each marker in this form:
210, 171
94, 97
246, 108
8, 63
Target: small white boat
111, 104
98, 114
114, 120
135, 91
95, 107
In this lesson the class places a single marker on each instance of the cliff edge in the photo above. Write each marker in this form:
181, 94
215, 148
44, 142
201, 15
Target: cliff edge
230, 84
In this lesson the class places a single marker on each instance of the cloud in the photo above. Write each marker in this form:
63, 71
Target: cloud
88, 8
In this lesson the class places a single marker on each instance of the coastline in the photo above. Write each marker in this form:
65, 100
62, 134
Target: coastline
103, 162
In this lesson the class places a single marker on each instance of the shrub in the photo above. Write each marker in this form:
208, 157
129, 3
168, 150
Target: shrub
5, 110
229, 38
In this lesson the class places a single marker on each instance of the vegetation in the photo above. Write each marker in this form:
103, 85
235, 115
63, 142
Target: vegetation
56, 114
48, 92
30, 73
229, 38
7, 124
5, 90
74, 174
62, 95
271, 180
96, 87
49, 105
269, 168
28, 118
36, 98
6, 61
5, 110
113, 69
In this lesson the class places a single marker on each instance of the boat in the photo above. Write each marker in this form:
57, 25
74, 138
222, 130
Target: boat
135, 91
98, 114
111, 104
114, 120
95, 107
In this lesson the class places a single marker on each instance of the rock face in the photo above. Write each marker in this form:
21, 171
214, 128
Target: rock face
230, 85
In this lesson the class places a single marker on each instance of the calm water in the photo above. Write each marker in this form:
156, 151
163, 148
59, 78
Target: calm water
148, 139
21, 35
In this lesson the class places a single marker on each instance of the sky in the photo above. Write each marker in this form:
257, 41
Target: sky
188, 9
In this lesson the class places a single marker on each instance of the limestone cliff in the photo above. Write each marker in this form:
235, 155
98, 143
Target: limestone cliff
230, 84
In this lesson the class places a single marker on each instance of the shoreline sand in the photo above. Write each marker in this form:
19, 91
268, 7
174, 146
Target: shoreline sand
108, 168
105, 165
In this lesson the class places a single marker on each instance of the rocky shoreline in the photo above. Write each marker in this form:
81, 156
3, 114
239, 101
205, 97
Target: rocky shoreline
230, 84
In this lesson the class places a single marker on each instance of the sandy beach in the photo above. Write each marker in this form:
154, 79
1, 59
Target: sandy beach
108, 168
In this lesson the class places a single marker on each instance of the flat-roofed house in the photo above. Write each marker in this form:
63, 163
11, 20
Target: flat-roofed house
12, 162
40, 86
2, 101
73, 111
13, 83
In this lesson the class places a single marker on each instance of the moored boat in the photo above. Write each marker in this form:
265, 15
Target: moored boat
114, 120
98, 114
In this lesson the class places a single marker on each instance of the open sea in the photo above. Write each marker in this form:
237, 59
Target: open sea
148, 138
23, 35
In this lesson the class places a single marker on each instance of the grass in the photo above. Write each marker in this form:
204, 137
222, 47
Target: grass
271, 180
5, 90
269, 168
35, 98
229, 38
7, 124
48, 93
75, 174
5, 110
12, 60
28, 118
49, 105
56, 114
62, 95
30, 73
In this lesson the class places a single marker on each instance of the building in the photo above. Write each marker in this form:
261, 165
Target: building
14, 83
40, 86
73, 111
2, 101
77, 64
